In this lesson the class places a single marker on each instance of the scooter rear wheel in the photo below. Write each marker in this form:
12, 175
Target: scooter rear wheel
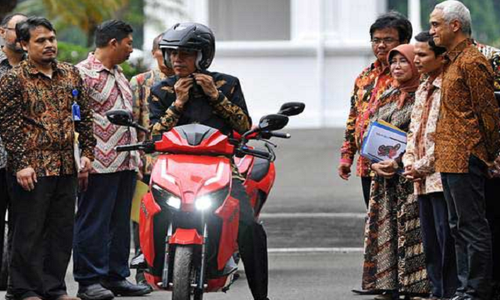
183, 273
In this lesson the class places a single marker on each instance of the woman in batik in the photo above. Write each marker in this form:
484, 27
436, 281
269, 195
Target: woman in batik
394, 258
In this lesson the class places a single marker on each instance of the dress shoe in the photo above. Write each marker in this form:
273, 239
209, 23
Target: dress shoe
94, 292
32, 298
125, 288
67, 297
366, 292
9, 296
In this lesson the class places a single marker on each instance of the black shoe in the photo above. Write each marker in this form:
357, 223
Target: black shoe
367, 292
9, 296
94, 292
125, 288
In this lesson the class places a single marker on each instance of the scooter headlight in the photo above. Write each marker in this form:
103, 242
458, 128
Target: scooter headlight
160, 194
203, 203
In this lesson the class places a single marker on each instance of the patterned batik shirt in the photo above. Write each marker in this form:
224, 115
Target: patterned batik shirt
109, 89
141, 87
492, 54
469, 120
4, 67
226, 113
368, 86
420, 140
36, 121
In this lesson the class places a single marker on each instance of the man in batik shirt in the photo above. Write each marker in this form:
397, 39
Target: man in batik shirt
467, 141
11, 54
102, 227
38, 125
141, 87
388, 31
492, 189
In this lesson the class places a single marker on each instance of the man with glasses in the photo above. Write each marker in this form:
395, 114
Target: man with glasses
11, 55
388, 31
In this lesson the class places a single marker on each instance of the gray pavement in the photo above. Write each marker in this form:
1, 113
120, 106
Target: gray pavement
314, 222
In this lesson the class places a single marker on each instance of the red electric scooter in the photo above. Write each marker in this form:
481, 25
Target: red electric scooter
191, 182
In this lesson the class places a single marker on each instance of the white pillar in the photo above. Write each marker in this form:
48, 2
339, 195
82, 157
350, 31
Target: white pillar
414, 15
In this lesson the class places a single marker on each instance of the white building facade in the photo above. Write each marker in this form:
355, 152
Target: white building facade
284, 50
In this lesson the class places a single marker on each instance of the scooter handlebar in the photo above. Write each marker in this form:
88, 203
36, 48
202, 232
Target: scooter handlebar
281, 135
255, 152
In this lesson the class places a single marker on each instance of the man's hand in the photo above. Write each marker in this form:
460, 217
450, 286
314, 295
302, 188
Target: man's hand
344, 170
182, 87
386, 168
411, 174
83, 174
27, 178
207, 84
495, 169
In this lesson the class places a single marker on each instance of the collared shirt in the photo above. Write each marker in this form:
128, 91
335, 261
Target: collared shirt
141, 87
469, 121
109, 89
36, 121
420, 139
368, 86
4, 67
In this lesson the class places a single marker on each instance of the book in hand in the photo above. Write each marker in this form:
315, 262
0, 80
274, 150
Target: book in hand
383, 141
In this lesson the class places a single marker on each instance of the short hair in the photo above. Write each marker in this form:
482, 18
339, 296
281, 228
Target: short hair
456, 10
23, 29
9, 17
156, 42
112, 29
426, 37
396, 20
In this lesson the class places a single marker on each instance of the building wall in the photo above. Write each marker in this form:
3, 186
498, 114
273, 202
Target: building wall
315, 62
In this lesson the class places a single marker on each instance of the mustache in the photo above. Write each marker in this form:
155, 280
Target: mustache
49, 50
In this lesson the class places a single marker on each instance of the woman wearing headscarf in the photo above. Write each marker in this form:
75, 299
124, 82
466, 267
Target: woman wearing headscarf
394, 258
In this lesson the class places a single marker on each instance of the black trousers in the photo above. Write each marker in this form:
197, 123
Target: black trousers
493, 215
252, 242
4, 204
366, 183
464, 194
439, 246
43, 235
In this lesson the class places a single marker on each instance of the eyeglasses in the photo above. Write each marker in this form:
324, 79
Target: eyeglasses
386, 41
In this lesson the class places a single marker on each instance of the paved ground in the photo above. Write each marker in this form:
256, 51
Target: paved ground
314, 222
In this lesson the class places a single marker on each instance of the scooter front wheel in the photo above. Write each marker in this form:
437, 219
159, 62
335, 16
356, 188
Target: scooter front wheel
183, 274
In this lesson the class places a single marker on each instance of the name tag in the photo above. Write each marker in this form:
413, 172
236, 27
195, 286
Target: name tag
75, 108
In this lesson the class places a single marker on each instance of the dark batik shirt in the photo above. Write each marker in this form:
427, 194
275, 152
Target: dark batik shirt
469, 121
228, 112
36, 120
4, 67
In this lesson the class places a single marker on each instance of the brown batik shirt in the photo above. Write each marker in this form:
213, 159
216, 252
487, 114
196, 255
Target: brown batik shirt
36, 121
469, 121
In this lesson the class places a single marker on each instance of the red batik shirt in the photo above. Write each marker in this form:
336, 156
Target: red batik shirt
368, 86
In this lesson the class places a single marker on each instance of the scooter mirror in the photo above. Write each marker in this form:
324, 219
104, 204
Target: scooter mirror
292, 108
273, 122
120, 117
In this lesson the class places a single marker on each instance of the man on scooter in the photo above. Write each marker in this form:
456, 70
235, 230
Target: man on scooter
195, 95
